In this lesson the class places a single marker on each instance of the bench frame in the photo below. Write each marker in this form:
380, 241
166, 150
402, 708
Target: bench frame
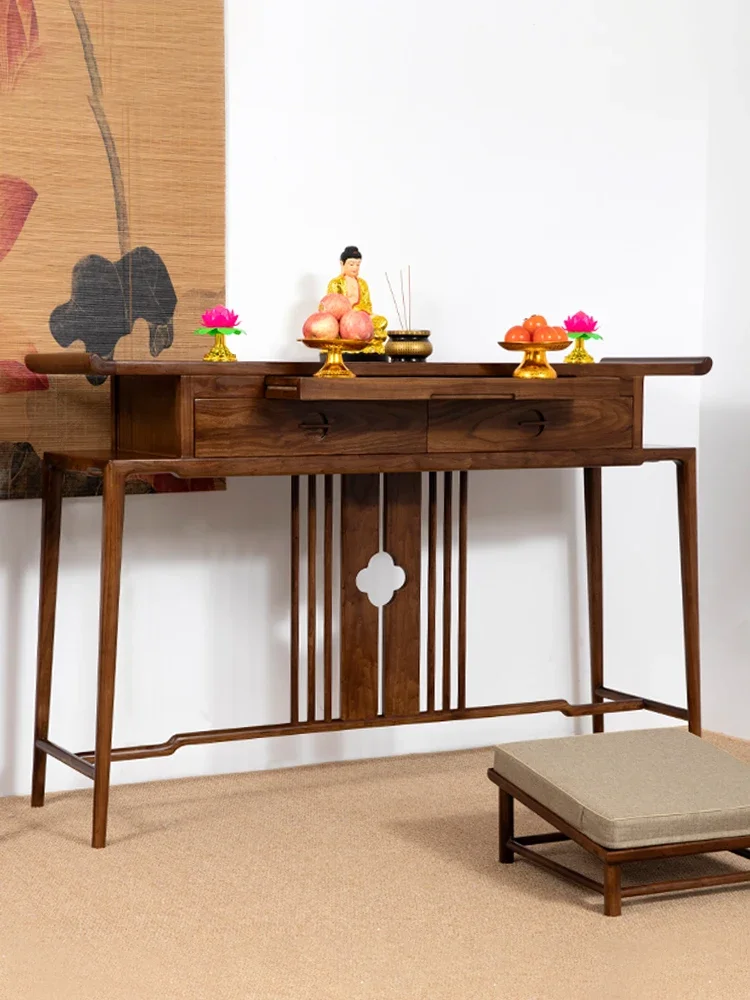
611, 888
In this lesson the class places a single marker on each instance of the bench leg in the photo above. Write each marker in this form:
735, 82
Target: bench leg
506, 828
112, 527
592, 487
52, 483
687, 505
612, 891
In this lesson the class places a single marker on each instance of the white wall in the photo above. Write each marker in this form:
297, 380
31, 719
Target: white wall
521, 157
725, 409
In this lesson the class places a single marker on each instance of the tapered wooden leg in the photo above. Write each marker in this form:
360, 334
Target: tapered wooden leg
52, 480
592, 485
687, 505
112, 527
506, 828
612, 891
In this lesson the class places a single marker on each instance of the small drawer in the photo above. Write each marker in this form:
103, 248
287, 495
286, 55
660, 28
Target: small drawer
236, 428
531, 425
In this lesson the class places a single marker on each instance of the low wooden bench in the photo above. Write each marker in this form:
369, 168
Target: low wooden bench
625, 797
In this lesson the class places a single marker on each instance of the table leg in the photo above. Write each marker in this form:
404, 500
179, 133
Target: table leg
112, 528
687, 505
506, 827
52, 481
592, 485
612, 890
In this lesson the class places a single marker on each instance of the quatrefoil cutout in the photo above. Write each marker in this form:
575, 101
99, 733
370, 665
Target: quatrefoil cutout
380, 579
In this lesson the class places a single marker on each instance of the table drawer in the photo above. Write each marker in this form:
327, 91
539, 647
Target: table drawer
233, 428
531, 425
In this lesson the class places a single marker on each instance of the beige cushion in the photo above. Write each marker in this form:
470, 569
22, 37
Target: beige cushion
634, 789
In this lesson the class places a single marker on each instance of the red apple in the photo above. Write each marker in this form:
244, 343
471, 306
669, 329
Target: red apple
335, 304
518, 333
321, 326
356, 325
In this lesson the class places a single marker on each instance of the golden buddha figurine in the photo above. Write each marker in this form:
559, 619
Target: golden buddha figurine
355, 289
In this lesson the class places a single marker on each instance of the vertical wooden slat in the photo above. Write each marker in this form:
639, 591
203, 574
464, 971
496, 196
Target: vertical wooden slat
294, 609
447, 586
401, 616
592, 488
463, 497
312, 603
431, 590
360, 541
328, 602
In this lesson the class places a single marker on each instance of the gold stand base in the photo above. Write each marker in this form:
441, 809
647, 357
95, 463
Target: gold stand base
535, 364
334, 366
220, 351
579, 355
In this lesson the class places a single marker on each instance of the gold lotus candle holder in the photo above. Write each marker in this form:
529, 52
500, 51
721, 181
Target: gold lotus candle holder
534, 363
581, 328
219, 323
335, 366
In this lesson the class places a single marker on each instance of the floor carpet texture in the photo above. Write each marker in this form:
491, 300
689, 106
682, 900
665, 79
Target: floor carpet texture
375, 879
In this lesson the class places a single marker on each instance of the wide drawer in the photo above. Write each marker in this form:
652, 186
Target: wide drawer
233, 428
531, 425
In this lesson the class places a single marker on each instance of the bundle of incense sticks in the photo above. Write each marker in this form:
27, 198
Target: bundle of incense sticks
405, 319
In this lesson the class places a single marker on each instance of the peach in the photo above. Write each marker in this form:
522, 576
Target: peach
356, 325
335, 304
321, 326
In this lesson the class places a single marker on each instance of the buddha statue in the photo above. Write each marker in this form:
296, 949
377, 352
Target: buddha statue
350, 284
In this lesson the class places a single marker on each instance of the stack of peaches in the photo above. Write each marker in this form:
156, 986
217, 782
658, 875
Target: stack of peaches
336, 320
535, 330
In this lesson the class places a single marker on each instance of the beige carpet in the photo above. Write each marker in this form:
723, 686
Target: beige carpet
374, 879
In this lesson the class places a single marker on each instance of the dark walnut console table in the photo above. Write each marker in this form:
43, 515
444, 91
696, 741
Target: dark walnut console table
372, 438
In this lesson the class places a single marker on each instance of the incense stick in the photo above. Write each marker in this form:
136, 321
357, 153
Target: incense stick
409, 273
393, 296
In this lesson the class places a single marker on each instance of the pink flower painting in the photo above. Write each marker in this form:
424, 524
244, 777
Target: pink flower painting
16, 201
19, 39
16, 377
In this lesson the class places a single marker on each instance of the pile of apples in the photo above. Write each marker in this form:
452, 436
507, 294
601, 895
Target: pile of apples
335, 319
535, 330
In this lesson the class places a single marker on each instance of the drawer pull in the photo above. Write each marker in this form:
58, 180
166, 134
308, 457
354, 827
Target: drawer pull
320, 427
539, 422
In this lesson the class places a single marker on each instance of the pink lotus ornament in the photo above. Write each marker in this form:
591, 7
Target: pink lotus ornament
581, 324
220, 318
581, 328
219, 322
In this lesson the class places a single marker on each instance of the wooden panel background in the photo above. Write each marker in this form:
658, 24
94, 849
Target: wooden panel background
111, 162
